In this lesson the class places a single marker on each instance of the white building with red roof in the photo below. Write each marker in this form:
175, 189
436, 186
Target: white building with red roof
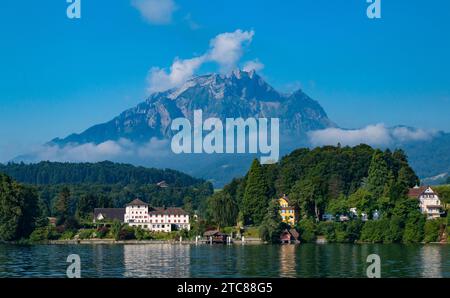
158, 219
429, 201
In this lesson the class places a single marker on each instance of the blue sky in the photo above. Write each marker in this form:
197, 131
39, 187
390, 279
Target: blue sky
59, 76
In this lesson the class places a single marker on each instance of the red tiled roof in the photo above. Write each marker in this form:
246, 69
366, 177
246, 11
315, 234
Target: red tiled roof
167, 211
416, 191
136, 202
288, 234
213, 233
294, 233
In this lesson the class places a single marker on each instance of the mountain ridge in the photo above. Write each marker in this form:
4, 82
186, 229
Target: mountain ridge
241, 94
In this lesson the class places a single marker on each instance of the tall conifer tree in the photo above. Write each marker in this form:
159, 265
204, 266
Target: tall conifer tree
255, 199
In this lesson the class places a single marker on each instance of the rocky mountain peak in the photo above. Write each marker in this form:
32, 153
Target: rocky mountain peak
238, 94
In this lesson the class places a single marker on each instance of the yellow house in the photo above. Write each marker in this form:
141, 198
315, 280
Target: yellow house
288, 213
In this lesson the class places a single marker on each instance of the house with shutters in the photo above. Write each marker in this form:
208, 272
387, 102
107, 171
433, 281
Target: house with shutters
429, 202
289, 214
140, 214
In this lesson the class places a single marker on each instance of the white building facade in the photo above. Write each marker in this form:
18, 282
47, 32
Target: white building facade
429, 202
140, 214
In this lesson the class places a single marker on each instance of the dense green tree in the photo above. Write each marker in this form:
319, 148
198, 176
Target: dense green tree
444, 193
94, 173
363, 200
44, 213
18, 209
62, 205
255, 198
113, 184
374, 231
272, 225
403, 171
141, 234
378, 174
30, 210
353, 230
327, 229
116, 228
188, 205
86, 205
335, 179
344, 232
71, 224
198, 226
395, 230
432, 230
307, 230
307, 195
222, 209
103, 201
10, 209
338, 206
414, 228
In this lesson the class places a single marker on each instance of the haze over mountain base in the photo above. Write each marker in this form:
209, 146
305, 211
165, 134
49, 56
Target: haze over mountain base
142, 135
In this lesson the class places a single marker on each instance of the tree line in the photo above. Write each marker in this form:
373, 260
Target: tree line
103, 173
326, 180
70, 192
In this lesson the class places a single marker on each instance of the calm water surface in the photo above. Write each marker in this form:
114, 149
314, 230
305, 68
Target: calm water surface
163, 260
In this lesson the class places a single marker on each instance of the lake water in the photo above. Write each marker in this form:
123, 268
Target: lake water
164, 260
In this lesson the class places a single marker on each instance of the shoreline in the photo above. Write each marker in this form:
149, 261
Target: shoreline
252, 241
149, 242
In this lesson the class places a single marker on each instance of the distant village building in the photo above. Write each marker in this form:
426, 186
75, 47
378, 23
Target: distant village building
289, 214
215, 236
344, 218
328, 217
108, 214
354, 213
429, 202
376, 215
52, 221
162, 184
139, 214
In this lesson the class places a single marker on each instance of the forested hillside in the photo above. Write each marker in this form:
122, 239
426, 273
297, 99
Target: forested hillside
108, 184
329, 180
94, 173
315, 180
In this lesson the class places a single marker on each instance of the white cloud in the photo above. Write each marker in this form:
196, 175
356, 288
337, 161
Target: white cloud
158, 12
404, 134
180, 71
226, 49
122, 149
253, 65
375, 135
